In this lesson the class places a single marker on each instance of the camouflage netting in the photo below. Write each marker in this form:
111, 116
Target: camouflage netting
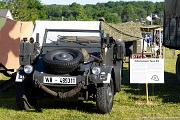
128, 31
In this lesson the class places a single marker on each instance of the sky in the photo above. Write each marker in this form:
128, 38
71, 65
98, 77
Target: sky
83, 2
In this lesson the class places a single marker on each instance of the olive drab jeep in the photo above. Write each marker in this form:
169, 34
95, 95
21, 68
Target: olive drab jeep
71, 64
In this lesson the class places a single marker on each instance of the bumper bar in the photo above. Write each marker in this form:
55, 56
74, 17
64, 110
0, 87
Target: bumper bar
61, 95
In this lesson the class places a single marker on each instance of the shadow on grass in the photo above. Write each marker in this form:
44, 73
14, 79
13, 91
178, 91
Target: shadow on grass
82, 107
7, 97
51, 104
7, 100
169, 92
9, 91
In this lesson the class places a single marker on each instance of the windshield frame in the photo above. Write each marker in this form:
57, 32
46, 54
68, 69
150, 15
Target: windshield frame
101, 32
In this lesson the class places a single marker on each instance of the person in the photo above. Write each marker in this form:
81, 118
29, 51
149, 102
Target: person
157, 39
150, 40
147, 40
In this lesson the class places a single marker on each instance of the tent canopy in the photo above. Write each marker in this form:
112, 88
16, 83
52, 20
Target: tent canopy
128, 31
11, 33
149, 28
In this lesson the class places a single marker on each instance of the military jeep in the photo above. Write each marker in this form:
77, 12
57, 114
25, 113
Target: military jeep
71, 64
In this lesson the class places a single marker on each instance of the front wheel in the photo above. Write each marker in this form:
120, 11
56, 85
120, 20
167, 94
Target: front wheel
105, 97
25, 96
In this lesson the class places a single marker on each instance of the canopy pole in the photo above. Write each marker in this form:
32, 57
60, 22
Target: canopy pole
147, 93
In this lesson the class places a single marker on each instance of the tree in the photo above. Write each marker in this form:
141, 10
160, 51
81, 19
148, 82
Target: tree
26, 10
54, 12
141, 13
158, 7
2, 5
37, 10
78, 11
149, 7
119, 10
113, 12
89, 11
129, 13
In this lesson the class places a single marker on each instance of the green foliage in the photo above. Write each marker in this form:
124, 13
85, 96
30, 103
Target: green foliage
129, 104
78, 11
26, 10
129, 13
2, 4
113, 12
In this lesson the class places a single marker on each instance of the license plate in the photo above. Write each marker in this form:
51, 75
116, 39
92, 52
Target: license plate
60, 80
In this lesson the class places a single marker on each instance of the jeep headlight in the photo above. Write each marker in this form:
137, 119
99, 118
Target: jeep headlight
28, 69
96, 70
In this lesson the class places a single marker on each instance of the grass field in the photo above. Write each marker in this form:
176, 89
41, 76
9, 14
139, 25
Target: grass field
130, 103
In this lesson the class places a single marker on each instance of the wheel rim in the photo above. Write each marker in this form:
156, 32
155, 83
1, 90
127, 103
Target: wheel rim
109, 95
63, 57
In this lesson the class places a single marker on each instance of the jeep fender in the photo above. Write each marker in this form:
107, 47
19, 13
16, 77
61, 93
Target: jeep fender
105, 75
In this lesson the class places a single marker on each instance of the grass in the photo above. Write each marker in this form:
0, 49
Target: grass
130, 103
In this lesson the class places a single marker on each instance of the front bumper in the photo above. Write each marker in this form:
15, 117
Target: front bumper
56, 81
79, 76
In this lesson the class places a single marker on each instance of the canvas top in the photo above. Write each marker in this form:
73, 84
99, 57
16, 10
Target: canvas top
172, 8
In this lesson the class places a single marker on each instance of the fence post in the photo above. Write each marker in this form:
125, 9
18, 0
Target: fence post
164, 52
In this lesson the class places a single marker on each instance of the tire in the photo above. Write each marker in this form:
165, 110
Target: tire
120, 72
118, 86
105, 97
62, 60
178, 69
25, 96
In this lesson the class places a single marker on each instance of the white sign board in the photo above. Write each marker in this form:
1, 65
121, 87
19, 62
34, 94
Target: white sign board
146, 70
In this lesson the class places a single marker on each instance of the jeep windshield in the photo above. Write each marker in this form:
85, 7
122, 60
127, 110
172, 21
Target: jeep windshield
73, 36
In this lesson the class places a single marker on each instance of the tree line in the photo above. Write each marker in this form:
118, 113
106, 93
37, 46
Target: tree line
113, 12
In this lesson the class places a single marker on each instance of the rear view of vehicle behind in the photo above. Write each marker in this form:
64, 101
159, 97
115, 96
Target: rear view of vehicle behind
171, 31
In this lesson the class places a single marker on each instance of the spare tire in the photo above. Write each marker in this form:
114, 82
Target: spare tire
62, 60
